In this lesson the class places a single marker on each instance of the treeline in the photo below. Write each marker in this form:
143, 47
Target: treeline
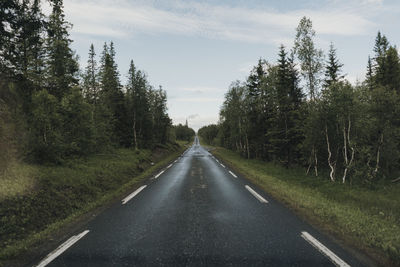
183, 132
50, 110
302, 111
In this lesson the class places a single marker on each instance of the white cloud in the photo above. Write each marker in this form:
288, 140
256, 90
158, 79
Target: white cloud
197, 99
201, 89
193, 116
123, 18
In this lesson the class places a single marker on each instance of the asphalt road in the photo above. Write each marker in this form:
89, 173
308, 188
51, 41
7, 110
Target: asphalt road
197, 212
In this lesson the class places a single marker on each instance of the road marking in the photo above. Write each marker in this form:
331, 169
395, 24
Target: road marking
217, 160
324, 250
256, 195
158, 175
125, 200
222, 165
63, 247
169, 166
234, 175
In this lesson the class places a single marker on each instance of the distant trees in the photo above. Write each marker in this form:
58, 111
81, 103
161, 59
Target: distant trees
348, 133
48, 112
183, 132
209, 134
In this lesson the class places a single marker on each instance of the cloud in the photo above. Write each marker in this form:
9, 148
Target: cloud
201, 89
125, 18
197, 99
192, 116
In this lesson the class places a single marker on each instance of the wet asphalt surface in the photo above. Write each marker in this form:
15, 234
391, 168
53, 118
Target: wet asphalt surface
198, 214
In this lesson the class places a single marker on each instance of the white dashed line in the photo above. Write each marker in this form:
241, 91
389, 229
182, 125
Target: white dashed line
234, 175
324, 250
158, 175
256, 195
222, 165
125, 200
63, 247
169, 166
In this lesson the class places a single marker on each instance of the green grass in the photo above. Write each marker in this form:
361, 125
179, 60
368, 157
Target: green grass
61, 194
363, 218
17, 179
184, 143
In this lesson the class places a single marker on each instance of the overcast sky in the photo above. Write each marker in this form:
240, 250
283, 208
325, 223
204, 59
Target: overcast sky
195, 49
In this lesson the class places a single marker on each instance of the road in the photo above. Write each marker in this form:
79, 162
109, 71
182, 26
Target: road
197, 212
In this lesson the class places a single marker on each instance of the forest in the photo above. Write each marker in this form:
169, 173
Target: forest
51, 110
302, 111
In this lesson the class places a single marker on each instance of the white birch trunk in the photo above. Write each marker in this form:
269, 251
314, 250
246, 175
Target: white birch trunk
331, 165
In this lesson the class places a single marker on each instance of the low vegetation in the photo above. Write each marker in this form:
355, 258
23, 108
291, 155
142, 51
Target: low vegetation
368, 219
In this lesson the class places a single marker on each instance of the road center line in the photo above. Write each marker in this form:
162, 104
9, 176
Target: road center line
256, 195
158, 175
324, 250
125, 200
63, 247
234, 175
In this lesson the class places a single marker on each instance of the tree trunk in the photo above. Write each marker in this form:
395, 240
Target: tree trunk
134, 131
316, 162
310, 161
331, 165
346, 139
380, 142
247, 146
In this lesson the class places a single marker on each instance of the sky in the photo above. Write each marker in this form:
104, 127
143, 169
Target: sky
196, 49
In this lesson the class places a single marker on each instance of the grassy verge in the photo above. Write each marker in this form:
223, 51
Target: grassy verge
362, 218
62, 194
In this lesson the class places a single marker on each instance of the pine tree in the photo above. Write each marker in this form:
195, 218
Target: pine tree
255, 116
112, 96
369, 75
391, 77
8, 17
161, 120
380, 49
90, 78
131, 105
285, 133
333, 68
61, 64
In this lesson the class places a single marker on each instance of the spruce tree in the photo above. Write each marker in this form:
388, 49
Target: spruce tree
90, 78
112, 96
333, 68
256, 123
369, 77
61, 64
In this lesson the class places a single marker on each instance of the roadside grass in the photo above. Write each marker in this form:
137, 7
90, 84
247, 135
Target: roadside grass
184, 143
17, 179
367, 219
64, 193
